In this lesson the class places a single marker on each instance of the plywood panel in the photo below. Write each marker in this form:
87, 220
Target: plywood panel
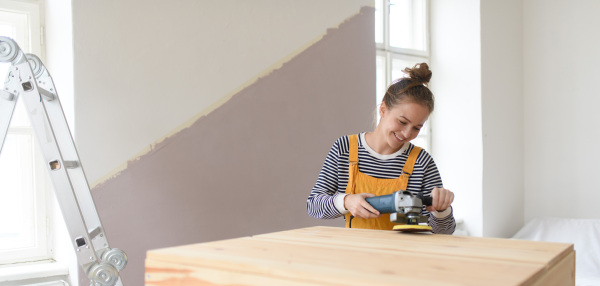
333, 256
562, 273
506, 249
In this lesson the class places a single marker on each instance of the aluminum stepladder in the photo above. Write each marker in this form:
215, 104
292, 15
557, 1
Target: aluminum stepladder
28, 79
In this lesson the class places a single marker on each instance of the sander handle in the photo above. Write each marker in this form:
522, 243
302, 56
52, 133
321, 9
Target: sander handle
387, 204
428, 201
384, 204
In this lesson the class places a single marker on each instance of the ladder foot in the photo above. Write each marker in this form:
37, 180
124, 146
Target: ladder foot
115, 257
103, 274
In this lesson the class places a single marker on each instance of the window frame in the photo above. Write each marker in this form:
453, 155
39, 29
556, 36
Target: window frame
386, 46
43, 249
384, 49
32, 9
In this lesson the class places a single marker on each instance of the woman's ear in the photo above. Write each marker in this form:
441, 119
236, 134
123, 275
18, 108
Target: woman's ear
382, 109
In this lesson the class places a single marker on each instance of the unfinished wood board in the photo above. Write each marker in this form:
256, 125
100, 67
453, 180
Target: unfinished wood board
335, 256
511, 250
562, 273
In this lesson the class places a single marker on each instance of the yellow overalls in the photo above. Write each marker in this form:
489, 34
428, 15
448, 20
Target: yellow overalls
362, 183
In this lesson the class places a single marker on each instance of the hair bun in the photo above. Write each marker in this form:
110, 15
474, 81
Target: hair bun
419, 74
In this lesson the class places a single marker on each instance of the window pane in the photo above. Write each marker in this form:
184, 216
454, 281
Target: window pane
6, 29
17, 201
398, 65
378, 21
22, 183
15, 26
381, 81
408, 24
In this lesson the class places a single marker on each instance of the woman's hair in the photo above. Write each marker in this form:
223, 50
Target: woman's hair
412, 87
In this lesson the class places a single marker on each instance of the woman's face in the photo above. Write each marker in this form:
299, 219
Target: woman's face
402, 123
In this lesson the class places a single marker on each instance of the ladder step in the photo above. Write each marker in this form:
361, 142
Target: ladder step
71, 164
47, 95
7, 95
95, 232
55, 165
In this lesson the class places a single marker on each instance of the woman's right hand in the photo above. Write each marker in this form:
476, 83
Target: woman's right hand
359, 207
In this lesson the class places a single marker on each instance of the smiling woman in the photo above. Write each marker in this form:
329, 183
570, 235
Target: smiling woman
384, 161
407, 105
402, 39
401, 123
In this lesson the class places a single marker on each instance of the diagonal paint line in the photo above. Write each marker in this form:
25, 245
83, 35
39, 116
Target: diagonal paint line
276, 66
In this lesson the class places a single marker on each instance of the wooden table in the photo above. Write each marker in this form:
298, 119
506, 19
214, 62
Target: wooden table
340, 256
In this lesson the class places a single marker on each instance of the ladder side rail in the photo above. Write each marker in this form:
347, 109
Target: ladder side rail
72, 204
109, 261
68, 203
9, 53
76, 205
8, 101
71, 162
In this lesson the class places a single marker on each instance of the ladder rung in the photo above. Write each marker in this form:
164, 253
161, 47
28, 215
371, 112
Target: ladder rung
95, 232
47, 95
7, 95
71, 164
55, 165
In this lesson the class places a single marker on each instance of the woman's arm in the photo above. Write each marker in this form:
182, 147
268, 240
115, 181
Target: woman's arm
320, 203
441, 217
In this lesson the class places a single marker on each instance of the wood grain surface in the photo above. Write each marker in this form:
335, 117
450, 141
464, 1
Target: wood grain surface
340, 256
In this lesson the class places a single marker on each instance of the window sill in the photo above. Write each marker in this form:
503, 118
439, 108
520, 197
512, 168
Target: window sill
33, 270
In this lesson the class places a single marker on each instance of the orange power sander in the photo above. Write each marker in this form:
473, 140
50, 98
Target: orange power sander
404, 209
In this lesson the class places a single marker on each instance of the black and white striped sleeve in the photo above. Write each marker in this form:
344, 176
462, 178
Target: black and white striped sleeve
320, 203
441, 222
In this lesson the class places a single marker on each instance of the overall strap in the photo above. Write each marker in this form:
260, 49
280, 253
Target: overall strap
353, 146
409, 166
352, 172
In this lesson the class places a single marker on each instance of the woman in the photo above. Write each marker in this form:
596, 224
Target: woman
375, 163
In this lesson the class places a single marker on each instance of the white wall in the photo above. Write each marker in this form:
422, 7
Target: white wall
561, 66
514, 131
502, 116
59, 62
138, 62
456, 121
59, 52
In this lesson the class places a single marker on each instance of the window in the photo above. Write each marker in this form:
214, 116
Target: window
402, 39
23, 179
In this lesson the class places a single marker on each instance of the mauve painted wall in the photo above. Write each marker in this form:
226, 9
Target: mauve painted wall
247, 167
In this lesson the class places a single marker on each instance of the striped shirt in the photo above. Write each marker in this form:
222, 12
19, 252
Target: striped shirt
333, 179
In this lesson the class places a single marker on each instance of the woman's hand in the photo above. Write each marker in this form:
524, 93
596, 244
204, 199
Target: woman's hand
441, 199
359, 207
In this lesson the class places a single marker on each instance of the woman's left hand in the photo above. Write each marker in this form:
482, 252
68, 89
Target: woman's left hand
441, 199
